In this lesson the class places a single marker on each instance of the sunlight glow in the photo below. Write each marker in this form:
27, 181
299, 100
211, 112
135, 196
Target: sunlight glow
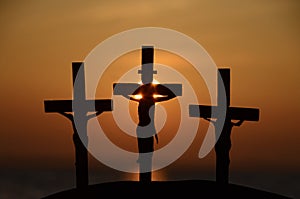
139, 96
156, 176
158, 96
153, 82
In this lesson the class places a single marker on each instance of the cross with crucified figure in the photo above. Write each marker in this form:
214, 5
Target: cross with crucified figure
147, 95
223, 144
65, 108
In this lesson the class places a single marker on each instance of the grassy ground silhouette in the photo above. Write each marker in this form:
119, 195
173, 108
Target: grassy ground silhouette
159, 189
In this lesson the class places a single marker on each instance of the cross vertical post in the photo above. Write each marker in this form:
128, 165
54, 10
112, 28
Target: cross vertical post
81, 153
223, 144
65, 108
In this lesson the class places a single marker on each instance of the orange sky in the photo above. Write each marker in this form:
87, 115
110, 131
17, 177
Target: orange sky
259, 40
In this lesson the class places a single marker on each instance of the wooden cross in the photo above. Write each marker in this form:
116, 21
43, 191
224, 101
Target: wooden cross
64, 107
148, 94
223, 144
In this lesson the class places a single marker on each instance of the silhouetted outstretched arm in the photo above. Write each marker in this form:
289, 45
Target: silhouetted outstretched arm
136, 92
133, 99
166, 93
94, 114
67, 115
210, 120
164, 98
207, 119
239, 123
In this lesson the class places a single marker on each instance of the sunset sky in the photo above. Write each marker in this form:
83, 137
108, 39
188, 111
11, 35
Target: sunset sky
258, 40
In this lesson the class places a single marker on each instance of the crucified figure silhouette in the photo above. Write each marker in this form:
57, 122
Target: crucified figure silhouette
81, 153
147, 95
222, 148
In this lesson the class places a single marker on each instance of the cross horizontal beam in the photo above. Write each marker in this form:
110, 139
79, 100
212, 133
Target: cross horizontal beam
67, 106
175, 88
235, 113
124, 88
128, 88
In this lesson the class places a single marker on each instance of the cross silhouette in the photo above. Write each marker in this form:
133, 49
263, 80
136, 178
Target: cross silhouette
147, 95
65, 108
223, 144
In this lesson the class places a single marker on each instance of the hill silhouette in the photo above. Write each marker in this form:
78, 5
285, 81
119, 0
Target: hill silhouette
160, 189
